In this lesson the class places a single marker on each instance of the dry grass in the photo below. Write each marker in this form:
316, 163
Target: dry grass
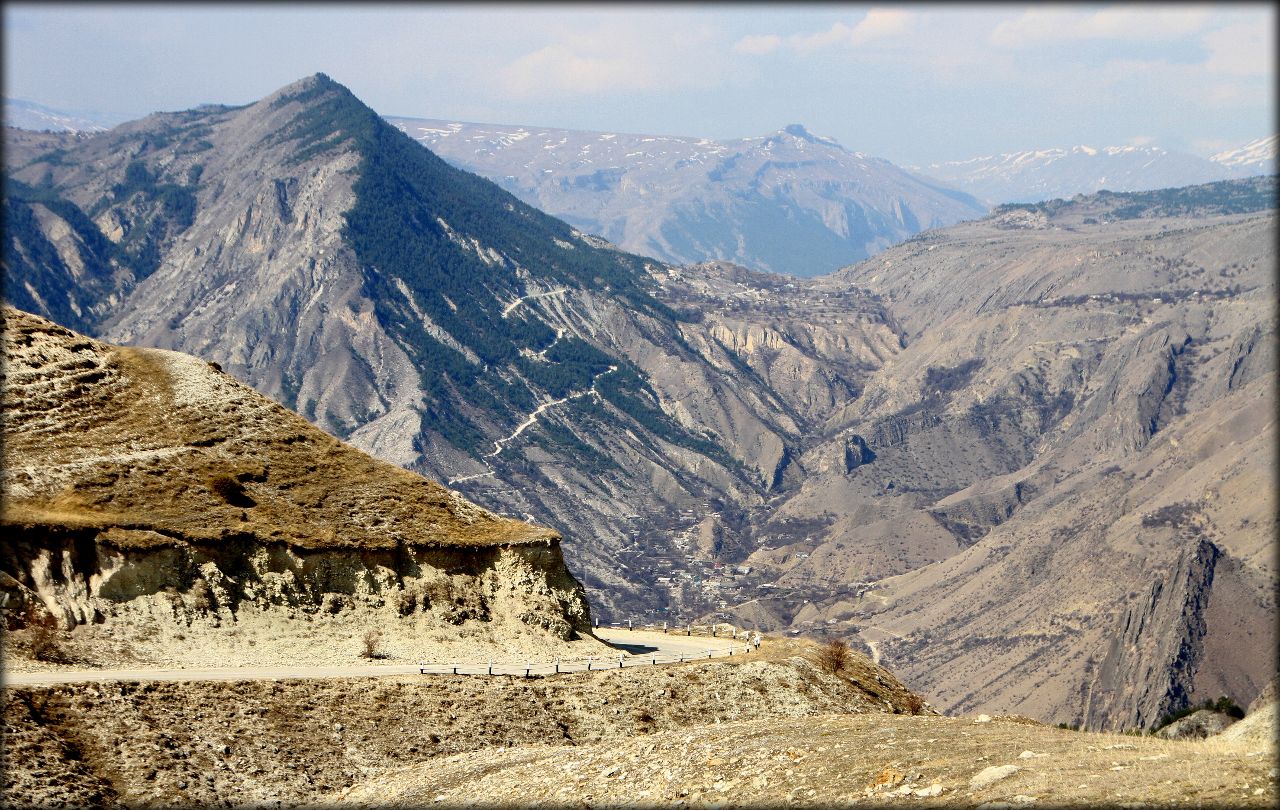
102, 454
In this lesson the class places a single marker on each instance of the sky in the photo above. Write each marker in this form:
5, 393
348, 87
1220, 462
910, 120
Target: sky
911, 83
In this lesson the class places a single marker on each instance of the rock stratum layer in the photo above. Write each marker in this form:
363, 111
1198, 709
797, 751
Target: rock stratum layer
164, 510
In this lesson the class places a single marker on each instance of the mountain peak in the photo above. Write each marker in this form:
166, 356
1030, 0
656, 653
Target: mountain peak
308, 88
800, 133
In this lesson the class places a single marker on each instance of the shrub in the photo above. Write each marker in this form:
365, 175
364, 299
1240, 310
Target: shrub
833, 656
1223, 705
913, 703
231, 490
407, 602
371, 639
202, 596
42, 634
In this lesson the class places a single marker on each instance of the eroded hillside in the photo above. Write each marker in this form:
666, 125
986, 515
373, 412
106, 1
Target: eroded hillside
167, 513
1080, 432
429, 318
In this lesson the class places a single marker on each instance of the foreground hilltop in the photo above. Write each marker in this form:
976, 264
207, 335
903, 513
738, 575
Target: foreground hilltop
152, 499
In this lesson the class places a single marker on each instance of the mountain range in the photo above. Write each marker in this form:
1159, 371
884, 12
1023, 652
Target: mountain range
789, 202
24, 114
1043, 174
1036, 446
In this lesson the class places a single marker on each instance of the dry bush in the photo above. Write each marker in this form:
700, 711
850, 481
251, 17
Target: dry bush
43, 637
202, 596
407, 602
833, 656
231, 490
913, 703
371, 639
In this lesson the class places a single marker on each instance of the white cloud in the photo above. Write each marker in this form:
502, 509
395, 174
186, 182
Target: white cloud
622, 54
1137, 23
881, 23
1242, 49
837, 34
560, 69
758, 45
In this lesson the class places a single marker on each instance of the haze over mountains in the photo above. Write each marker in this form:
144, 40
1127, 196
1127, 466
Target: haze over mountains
25, 114
788, 202
950, 448
1032, 176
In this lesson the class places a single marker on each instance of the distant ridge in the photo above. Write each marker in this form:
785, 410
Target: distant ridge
788, 202
1043, 174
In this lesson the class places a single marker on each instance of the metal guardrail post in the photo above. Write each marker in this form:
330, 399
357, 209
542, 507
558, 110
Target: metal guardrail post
557, 666
490, 667
528, 665
455, 667
588, 663
629, 624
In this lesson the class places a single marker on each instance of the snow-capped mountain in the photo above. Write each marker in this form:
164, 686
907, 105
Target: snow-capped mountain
1255, 157
1042, 174
790, 202
29, 115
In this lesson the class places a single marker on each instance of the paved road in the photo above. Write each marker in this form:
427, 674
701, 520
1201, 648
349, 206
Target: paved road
644, 648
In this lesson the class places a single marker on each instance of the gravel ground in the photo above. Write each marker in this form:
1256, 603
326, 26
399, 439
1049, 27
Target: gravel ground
837, 760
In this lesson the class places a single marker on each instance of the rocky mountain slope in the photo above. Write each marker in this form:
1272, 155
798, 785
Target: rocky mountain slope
1080, 430
426, 316
1043, 174
168, 514
789, 202
842, 760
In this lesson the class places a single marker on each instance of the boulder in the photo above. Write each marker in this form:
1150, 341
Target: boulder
1197, 726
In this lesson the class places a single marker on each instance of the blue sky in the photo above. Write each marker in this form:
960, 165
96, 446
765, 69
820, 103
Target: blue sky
911, 83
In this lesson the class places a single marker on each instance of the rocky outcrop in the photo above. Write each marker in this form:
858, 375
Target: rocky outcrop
1162, 631
1197, 726
152, 498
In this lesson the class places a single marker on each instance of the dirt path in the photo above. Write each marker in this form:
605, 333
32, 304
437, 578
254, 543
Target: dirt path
643, 649
532, 419
523, 298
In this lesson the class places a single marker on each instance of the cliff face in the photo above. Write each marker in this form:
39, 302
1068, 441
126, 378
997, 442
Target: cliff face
153, 503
